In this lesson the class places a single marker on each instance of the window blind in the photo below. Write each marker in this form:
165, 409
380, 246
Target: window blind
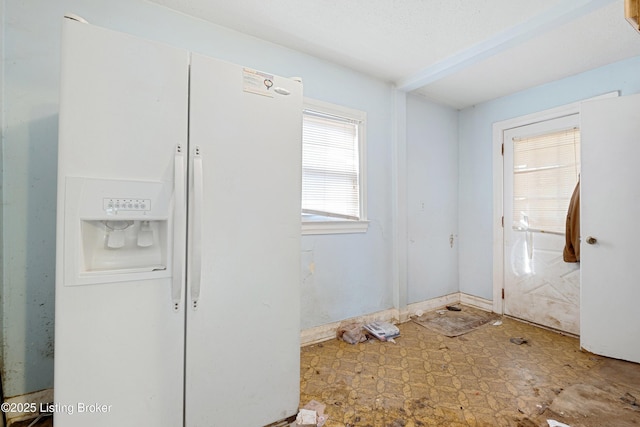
330, 166
546, 169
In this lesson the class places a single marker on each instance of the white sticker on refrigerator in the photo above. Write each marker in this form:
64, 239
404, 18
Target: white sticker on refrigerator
257, 82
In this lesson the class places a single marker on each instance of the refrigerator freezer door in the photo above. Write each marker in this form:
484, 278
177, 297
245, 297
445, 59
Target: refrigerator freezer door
243, 351
119, 346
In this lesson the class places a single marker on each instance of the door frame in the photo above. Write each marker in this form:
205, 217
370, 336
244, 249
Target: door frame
499, 129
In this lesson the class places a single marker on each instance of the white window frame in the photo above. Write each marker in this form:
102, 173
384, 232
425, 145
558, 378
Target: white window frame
325, 225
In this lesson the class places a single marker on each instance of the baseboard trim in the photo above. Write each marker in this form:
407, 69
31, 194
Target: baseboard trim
416, 309
37, 398
476, 302
326, 332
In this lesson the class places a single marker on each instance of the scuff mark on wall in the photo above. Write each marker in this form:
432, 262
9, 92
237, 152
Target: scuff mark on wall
308, 266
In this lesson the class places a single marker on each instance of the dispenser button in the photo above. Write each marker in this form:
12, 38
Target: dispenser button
140, 205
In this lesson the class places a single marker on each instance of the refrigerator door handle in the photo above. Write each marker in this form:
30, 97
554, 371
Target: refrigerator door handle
196, 233
179, 228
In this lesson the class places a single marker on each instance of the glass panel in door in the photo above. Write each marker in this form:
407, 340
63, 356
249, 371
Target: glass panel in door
541, 170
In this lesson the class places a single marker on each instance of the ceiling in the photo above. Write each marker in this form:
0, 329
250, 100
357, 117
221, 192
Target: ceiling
455, 52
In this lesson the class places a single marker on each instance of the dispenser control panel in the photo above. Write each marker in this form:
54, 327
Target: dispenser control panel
112, 205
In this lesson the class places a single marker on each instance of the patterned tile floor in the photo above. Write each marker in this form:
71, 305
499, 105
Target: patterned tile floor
477, 379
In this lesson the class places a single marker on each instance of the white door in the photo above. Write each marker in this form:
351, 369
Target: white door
541, 166
610, 202
119, 343
242, 351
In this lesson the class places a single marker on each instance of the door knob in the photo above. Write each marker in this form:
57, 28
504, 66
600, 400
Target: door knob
591, 240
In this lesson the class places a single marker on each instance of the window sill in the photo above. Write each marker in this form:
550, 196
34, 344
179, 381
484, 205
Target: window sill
334, 227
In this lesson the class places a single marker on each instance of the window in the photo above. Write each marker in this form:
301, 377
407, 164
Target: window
546, 169
333, 169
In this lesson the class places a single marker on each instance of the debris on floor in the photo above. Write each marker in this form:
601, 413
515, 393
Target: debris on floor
351, 333
630, 399
519, 340
497, 323
384, 331
428, 379
311, 415
354, 332
453, 308
554, 423
455, 323
307, 418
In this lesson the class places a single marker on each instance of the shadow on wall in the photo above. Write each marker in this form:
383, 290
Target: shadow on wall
41, 242
30, 188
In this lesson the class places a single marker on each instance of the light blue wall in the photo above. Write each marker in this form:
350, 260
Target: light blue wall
352, 272
475, 133
432, 199
29, 200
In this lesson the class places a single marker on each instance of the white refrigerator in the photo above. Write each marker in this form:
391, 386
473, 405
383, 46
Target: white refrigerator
178, 237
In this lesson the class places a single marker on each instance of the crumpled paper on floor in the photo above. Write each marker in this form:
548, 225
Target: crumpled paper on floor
312, 415
307, 418
352, 333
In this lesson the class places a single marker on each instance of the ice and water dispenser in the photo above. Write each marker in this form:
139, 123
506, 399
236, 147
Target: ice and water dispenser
116, 230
